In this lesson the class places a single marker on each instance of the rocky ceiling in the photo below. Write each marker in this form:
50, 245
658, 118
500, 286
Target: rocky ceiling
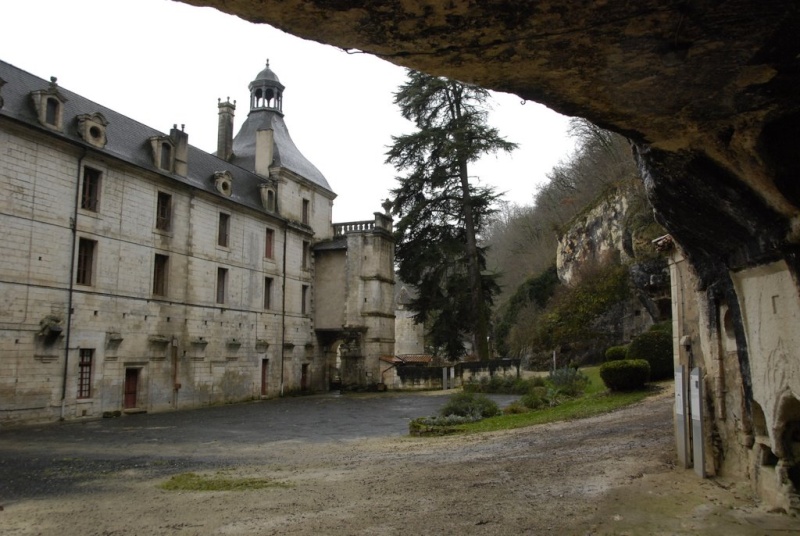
707, 89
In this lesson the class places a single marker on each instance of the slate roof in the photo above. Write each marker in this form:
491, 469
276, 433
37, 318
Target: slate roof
128, 140
286, 154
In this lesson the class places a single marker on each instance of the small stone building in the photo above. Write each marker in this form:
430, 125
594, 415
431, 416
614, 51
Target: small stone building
143, 274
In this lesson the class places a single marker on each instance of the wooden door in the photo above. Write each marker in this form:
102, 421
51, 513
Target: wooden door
131, 387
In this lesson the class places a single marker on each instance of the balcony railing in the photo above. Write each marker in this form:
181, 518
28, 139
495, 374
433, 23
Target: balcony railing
341, 229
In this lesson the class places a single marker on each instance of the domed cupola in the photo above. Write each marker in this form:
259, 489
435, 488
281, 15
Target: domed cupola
263, 144
266, 91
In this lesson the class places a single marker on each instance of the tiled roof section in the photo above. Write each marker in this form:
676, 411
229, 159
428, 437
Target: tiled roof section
286, 154
128, 139
408, 359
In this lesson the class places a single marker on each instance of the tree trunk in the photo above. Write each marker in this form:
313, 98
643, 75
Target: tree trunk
480, 329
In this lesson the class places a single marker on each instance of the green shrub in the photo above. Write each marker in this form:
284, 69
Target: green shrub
625, 375
536, 381
665, 326
569, 381
515, 407
437, 426
655, 347
470, 405
536, 399
616, 353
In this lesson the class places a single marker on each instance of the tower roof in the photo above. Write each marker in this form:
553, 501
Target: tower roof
266, 113
267, 74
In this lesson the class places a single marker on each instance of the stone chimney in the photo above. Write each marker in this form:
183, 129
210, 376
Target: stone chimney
225, 128
181, 141
265, 140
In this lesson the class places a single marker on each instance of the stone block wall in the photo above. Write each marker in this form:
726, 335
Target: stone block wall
188, 349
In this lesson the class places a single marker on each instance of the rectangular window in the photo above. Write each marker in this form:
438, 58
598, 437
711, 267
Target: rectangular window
51, 112
160, 275
86, 252
224, 229
306, 248
267, 293
166, 157
271, 200
269, 246
222, 283
304, 302
164, 212
305, 211
90, 191
85, 372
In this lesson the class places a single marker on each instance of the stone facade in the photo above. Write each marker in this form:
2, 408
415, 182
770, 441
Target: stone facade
357, 267
751, 417
409, 336
142, 274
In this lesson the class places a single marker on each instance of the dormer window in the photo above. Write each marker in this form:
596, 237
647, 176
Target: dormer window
92, 128
166, 156
51, 111
163, 152
49, 104
269, 197
223, 182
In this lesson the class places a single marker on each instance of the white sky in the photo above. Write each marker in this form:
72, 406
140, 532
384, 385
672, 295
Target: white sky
163, 63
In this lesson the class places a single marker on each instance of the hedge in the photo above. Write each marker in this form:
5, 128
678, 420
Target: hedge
655, 347
616, 353
625, 375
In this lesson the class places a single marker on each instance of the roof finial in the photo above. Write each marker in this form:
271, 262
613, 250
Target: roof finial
267, 62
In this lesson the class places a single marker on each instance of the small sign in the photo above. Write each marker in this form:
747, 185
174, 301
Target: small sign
679, 391
694, 393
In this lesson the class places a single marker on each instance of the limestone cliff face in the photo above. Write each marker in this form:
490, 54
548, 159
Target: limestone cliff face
594, 236
619, 228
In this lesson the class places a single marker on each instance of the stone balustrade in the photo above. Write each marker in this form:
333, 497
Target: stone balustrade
341, 229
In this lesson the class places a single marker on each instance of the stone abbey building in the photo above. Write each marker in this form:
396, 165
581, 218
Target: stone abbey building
142, 274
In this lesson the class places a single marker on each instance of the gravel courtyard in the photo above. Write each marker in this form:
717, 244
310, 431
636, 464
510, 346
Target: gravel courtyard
349, 468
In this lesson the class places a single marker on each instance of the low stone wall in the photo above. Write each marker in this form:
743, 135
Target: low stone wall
414, 377
475, 370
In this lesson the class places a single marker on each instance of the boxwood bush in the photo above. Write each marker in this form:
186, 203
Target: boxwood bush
655, 347
615, 353
625, 375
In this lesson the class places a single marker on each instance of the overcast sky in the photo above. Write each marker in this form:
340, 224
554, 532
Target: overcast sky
163, 63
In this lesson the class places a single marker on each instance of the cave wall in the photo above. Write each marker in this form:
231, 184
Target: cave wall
707, 91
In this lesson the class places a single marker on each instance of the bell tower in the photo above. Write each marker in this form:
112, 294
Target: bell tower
266, 92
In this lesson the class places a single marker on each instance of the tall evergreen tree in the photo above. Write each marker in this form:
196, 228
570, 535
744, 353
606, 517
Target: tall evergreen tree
441, 213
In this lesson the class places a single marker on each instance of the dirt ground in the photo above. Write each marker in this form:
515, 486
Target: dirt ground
612, 474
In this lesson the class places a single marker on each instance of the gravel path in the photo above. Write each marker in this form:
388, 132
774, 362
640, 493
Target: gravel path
351, 470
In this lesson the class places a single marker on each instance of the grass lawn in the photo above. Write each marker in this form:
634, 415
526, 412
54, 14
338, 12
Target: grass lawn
596, 400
